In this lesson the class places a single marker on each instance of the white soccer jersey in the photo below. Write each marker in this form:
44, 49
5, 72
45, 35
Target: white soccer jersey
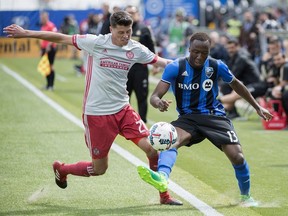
106, 73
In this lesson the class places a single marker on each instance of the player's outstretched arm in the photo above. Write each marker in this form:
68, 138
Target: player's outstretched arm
162, 62
15, 31
241, 90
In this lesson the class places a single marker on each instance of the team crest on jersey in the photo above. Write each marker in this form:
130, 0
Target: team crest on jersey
207, 84
209, 71
129, 54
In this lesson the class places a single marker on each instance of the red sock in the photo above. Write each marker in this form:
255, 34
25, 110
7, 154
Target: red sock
82, 168
153, 163
165, 195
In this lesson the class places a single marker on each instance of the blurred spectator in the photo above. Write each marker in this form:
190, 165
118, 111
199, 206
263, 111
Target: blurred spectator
217, 50
280, 85
179, 30
249, 36
49, 48
281, 17
91, 25
233, 26
274, 76
94, 24
224, 38
106, 19
266, 22
138, 74
243, 69
70, 27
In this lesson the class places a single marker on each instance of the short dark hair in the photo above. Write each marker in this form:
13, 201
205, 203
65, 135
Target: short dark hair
274, 39
201, 36
121, 18
233, 41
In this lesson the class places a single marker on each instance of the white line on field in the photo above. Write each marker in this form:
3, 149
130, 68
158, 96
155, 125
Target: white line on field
61, 78
194, 201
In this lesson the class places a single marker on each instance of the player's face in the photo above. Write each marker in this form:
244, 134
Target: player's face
121, 35
199, 51
274, 48
231, 49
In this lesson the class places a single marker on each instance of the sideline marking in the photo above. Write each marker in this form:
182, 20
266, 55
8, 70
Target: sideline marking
194, 201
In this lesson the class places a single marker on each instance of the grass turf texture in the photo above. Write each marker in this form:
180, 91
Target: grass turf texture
33, 135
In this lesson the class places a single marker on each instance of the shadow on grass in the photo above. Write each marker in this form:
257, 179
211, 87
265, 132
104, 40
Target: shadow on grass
47, 209
279, 165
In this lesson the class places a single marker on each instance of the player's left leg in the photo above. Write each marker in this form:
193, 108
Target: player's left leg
98, 145
81, 168
242, 173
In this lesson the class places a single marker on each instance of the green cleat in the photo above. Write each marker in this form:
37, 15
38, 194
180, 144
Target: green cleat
248, 201
156, 179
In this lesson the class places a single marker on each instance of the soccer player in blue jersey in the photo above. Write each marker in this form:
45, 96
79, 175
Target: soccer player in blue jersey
194, 84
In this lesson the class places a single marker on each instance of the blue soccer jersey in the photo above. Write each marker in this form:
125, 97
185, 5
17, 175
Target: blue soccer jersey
196, 90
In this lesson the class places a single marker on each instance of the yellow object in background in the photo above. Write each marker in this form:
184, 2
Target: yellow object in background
44, 65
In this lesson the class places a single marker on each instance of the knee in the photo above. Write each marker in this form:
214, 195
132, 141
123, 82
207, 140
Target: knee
98, 172
237, 159
234, 154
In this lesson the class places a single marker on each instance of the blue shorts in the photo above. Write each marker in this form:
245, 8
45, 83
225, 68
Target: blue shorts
219, 130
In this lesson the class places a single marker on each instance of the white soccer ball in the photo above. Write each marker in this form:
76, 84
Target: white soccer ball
162, 136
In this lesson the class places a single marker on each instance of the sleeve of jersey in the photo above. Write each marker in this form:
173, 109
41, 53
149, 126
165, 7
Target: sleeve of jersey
224, 72
84, 42
146, 57
170, 72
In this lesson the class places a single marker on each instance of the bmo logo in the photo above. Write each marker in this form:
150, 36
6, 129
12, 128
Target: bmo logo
206, 85
188, 86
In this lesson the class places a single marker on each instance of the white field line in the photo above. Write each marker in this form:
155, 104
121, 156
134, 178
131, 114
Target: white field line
194, 201
61, 78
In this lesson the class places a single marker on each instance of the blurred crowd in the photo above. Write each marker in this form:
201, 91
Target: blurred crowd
252, 41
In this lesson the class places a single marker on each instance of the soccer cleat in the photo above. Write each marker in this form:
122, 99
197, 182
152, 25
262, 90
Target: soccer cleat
61, 181
156, 179
170, 201
248, 201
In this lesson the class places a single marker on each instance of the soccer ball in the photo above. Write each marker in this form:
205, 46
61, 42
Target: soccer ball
162, 136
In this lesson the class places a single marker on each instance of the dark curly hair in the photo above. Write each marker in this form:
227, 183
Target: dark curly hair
201, 36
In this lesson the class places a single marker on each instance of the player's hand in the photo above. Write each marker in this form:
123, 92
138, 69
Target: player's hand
163, 105
156, 70
265, 114
14, 31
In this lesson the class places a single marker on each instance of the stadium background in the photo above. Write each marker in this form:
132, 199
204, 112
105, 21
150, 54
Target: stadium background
32, 136
26, 14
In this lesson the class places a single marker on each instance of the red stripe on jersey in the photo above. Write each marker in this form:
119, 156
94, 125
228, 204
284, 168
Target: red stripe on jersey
154, 60
74, 37
88, 80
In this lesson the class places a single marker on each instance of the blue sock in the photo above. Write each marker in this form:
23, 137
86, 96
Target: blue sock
166, 161
243, 176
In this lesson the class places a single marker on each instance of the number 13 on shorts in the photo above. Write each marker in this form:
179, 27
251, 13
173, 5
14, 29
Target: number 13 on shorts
233, 137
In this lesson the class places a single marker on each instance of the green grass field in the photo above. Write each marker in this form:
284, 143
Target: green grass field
33, 135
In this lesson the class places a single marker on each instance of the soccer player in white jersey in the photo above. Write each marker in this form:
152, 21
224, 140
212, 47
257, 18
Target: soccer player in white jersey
106, 108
